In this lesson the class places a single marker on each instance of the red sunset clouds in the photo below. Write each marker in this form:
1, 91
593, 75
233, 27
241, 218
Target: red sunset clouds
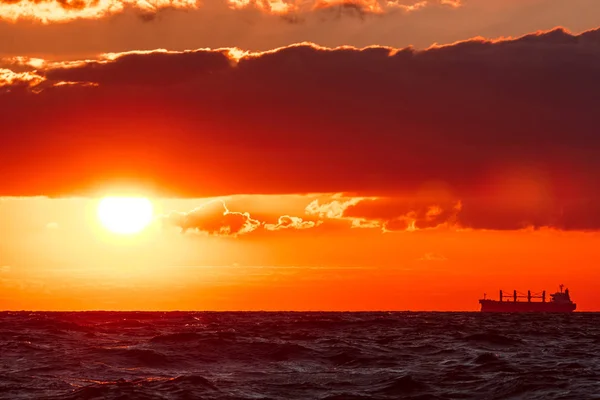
507, 128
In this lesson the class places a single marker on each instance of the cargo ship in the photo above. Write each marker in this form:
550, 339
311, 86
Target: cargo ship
559, 302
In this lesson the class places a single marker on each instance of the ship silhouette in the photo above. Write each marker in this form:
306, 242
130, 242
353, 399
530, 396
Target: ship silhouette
559, 302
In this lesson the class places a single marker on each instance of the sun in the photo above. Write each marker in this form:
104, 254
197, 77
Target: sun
125, 215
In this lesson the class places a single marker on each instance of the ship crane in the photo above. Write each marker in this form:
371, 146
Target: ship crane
527, 296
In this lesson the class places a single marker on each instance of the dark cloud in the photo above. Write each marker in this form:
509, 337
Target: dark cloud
152, 68
508, 212
401, 214
357, 9
507, 127
213, 218
390, 214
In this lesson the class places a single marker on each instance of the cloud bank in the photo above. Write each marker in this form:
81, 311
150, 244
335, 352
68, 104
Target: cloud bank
505, 128
62, 11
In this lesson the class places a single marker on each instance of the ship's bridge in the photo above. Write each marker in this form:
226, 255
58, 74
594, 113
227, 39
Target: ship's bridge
561, 297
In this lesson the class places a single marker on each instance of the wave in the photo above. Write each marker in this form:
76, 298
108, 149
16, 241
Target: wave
332, 356
402, 385
138, 356
176, 337
492, 338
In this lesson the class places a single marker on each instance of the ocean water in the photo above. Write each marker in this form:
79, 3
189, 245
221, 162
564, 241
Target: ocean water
206, 355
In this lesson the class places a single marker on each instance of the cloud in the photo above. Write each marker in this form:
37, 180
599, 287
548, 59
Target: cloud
410, 6
214, 219
62, 11
11, 79
433, 208
47, 11
288, 222
332, 209
507, 126
268, 6
358, 8
365, 223
4, 269
401, 214
339, 7
390, 213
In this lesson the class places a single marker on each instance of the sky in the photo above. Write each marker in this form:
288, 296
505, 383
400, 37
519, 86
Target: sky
314, 155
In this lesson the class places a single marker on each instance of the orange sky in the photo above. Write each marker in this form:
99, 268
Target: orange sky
58, 256
322, 155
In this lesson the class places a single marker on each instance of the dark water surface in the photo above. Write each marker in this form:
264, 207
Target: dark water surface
182, 355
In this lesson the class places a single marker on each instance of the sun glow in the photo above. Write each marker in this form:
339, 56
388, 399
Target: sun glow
125, 215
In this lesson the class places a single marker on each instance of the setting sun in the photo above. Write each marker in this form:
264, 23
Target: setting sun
125, 215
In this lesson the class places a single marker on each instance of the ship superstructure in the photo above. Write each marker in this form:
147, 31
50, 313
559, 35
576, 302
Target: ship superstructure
559, 302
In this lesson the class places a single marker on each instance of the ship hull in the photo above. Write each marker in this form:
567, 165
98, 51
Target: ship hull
525, 306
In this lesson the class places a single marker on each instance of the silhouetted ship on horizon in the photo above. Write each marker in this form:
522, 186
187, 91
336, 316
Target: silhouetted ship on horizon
559, 302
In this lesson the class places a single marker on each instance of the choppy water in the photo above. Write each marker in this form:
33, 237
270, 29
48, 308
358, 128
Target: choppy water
299, 356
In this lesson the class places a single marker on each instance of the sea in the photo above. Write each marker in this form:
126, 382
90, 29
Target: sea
298, 355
